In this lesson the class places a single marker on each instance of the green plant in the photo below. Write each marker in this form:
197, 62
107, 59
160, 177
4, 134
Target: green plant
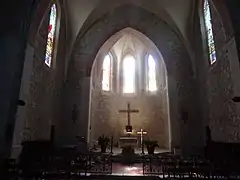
151, 145
103, 141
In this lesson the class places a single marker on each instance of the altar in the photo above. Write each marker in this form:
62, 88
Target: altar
128, 141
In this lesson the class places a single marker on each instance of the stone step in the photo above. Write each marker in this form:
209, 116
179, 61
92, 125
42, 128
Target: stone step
130, 159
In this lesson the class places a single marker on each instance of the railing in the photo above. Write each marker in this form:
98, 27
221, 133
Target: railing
186, 168
176, 167
95, 164
62, 167
152, 165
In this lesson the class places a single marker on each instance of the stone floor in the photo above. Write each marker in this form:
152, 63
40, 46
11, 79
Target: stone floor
127, 170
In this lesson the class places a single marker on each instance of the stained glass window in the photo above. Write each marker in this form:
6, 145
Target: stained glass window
152, 83
106, 76
128, 74
51, 35
210, 38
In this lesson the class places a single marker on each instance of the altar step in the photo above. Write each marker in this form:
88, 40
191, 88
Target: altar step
127, 159
135, 158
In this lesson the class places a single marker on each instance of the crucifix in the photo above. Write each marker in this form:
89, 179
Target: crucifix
141, 132
128, 111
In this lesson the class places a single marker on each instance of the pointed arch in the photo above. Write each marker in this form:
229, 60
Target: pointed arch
170, 56
209, 32
151, 74
51, 38
129, 68
107, 72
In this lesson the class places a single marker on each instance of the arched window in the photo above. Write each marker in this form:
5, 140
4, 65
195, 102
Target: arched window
51, 35
151, 74
128, 74
209, 30
106, 74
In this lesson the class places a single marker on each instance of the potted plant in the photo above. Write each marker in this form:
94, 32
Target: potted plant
151, 145
103, 141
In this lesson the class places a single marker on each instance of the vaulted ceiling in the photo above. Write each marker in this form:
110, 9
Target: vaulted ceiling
178, 12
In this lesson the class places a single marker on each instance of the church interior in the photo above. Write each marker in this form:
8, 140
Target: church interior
105, 82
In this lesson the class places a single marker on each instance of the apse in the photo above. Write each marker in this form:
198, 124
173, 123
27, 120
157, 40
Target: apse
129, 75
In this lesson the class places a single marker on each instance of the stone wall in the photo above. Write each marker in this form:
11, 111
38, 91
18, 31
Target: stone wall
218, 82
41, 86
152, 116
223, 115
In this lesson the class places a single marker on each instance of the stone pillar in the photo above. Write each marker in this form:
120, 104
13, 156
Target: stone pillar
11, 54
84, 111
174, 129
234, 65
21, 123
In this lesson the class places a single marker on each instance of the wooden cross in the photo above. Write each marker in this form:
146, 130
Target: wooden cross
128, 111
141, 133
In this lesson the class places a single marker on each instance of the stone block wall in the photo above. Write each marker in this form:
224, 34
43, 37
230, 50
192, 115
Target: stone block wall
41, 85
153, 115
217, 82
223, 115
